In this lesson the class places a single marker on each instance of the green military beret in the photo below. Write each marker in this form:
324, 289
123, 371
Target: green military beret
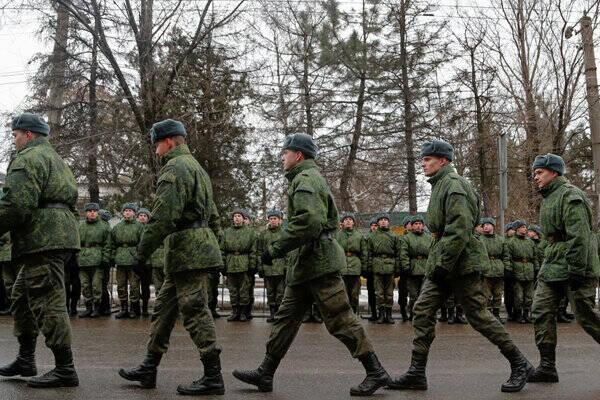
144, 211
275, 213
382, 216
438, 148
30, 122
373, 221
536, 229
518, 223
131, 206
166, 129
347, 215
303, 143
484, 221
549, 161
417, 218
91, 207
105, 215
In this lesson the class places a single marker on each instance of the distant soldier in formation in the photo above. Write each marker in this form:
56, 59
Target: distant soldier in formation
453, 264
143, 215
494, 273
315, 276
251, 273
355, 247
274, 274
402, 277
105, 216
414, 250
509, 290
8, 270
367, 273
570, 265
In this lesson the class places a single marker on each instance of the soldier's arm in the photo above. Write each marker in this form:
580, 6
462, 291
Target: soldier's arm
404, 256
457, 231
221, 237
254, 259
167, 208
213, 218
578, 233
507, 257
369, 255
536, 258
364, 255
106, 248
259, 251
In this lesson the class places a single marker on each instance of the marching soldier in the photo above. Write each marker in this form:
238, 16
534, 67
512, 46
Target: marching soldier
273, 275
453, 264
494, 274
105, 216
570, 262
143, 215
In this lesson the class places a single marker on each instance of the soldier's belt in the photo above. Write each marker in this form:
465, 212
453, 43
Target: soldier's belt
556, 238
350, 254
492, 258
62, 206
192, 225
384, 256
523, 260
88, 245
419, 257
238, 253
128, 245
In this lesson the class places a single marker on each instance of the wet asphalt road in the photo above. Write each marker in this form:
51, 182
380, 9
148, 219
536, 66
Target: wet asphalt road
462, 364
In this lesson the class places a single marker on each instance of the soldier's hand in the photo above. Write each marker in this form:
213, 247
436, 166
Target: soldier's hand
576, 281
266, 258
439, 275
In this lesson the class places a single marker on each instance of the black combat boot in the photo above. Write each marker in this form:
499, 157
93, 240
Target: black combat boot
561, 318
307, 316
96, 312
88, 310
443, 315
520, 369
210, 383
546, 371
317, 315
213, 311
403, 312
382, 316
460, 319
518, 315
373, 316
63, 374
134, 310
271, 314
249, 309
510, 314
24, 365
145, 312
414, 378
123, 313
451, 316
262, 377
496, 312
73, 308
388, 316
243, 313
145, 373
235, 314
376, 376
526, 316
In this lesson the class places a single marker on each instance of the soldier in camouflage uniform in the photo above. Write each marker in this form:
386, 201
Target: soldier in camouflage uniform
493, 275
414, 250
509, 290
251, 273
402, 277
520, 264
274, 274
238, 247
384, 252
454, 265
143, 215
355, 247
368, 275
7, 269
184, 216
38, 208
125, 237
315, 275
94, 255
570, 265
105, 216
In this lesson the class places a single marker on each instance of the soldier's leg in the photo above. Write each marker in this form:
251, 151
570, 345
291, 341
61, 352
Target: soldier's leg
545, 303
429, 301
280, 289
413, 283
166, 310
234, 290
105, 297
354, 293
371, 296
271, 286
582, 303
86, 276
213, 293
402, 296
122, 285
244, 285
158, 277
134, 286
488, 288
3, 295
24, 320
378, 282
497, 292
97, 280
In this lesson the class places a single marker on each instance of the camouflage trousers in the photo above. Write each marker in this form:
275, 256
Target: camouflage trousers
251, 284
352, 283
184, 292
494, 288
275, 287
125, 275
238, 285
384, 290
91, 283
39, 298
329, 294
10, 270
213, 290
468, 291
523, 294
414, 284
509, 294
545, 303
158, 278
402, 292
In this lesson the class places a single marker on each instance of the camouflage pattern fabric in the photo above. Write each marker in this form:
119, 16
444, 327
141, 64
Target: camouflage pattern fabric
95, 239
494, 245
125, 237
520, 257
126, 276
238, 284
10, 271
384, 290
91, 283
275, 288
355, 247
414, 251
5, 247
267, 237
238, 246
384, 252
158, 278
352, 284
414, 284
494, 290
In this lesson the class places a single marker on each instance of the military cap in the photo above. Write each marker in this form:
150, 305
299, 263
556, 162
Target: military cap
508, 227
144, 211
488, 220
275, 213
438, 148
536, 229
406, 220
30, 122
549, 161
131, 206
303, 143
383, 215
91, 207
105, 215
347, 215
518, 223
417, 218
238, 211
373, 221
247, 214
166, 129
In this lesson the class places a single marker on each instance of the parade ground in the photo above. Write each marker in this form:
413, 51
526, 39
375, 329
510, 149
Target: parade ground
462, 365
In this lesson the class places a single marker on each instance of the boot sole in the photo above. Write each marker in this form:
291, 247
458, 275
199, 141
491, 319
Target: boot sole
405, 387
383, 382
529, 372
215, 392
142, 383
72, 383
263, 389
26, 374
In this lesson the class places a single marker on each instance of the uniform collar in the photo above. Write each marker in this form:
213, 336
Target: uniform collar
176, 151
349, 230
304, 165
37, 141
445, 170
552, 186
238, 227
91, 221
274, 228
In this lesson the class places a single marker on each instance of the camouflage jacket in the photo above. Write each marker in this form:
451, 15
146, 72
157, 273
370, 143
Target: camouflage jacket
520, 257
238, 246
494, 245
414, 250
184, 195
567, 220
384, 252
452, 215
157, 259
540, 246
355, 247
95, 243
5, 248
36, 177
265, 238
124, 239
313, 217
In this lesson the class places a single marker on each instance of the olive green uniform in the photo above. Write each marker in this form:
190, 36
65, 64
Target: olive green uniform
494, 273
184, 218
238, 245
125, 237
157, 261
520, 258
315, 274
355, 247
566, 220
9, 269
414, 250
384, 252
274, 274
95, 253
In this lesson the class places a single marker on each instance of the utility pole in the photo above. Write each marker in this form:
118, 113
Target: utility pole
502, 177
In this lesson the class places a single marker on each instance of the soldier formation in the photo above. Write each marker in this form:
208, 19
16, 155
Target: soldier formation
452, 261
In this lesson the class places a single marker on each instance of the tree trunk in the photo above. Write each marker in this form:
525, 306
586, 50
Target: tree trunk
92, 146
58, 61
306, 87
